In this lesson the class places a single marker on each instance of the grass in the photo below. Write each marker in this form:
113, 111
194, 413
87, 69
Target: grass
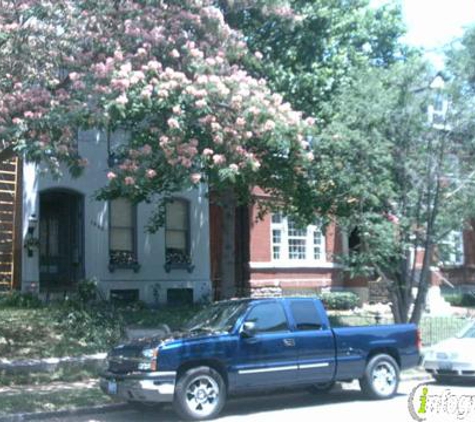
49, 398
67, 330
74, 374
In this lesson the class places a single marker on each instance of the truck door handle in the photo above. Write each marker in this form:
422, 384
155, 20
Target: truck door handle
289, 342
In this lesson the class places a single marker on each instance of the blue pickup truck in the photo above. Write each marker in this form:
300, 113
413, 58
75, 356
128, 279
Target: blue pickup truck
247, 345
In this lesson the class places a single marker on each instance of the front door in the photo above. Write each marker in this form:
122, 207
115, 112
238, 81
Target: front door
61, 240
268, 359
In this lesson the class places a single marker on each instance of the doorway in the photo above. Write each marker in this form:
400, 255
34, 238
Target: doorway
61, 235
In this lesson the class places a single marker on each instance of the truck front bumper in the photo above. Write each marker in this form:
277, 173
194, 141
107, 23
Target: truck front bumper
151, 387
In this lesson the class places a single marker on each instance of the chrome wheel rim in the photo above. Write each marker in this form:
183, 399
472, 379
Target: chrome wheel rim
384, 379
202, 395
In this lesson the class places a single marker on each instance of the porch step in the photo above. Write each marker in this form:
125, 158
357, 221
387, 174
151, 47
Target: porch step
8, 200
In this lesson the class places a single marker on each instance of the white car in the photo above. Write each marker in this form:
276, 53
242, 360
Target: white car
454, 357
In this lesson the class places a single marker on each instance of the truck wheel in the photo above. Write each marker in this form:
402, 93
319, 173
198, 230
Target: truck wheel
200, 393
381, 377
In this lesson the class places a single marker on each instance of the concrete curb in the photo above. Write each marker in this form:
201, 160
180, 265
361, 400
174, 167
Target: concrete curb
80, 411
51, 364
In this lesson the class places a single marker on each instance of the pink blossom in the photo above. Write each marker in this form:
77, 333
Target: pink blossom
211, 61
392, 218
125, 69
219, 159
310, 121
164, 140
201, 103
269, 125
150, 174
208, 152
79, 85
255, 164
154, 65
74, 76
141, 52
174, 53
177, 110
234, 167
240, 122
129, 180
195, 178
118, 55
258, 55
120, 84
310, 156
173, 123
122, 99
146, 93
137, 77
111, 175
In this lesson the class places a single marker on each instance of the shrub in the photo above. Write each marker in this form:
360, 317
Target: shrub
20, 300
339, 300
460, 299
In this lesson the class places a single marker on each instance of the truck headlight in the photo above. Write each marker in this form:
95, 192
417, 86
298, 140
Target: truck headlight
149, 360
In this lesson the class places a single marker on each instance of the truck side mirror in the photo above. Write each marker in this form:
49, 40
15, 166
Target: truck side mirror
248, 329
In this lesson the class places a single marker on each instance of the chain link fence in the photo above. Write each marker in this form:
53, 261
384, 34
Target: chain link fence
433, 328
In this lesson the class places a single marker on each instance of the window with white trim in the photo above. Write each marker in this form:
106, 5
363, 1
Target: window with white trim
291, 242
451, 249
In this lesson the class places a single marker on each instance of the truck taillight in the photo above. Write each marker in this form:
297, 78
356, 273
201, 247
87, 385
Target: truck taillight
418, 339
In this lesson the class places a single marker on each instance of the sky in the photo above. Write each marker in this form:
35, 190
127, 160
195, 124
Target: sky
434, 23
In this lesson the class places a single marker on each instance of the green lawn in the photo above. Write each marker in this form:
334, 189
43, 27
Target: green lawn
48, 398
56, 330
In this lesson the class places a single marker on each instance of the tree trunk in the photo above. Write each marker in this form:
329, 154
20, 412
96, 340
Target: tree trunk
423, 286
228, 253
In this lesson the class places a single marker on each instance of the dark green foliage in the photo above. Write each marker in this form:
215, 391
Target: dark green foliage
309, 52
17, 299
339, 300
460, 299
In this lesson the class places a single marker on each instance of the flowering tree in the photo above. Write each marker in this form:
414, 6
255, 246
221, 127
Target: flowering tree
169, 74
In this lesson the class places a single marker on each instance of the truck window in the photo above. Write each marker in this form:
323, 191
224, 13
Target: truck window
305, 315
269, 318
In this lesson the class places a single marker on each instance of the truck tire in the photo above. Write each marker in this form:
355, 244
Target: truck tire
381, 377
200, 394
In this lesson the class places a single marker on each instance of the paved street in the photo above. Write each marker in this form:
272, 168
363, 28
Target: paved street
343, 405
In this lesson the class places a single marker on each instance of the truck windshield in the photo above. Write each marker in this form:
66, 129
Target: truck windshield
218, 317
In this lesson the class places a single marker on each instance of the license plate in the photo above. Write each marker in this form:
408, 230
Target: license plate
112, 387
445, 366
